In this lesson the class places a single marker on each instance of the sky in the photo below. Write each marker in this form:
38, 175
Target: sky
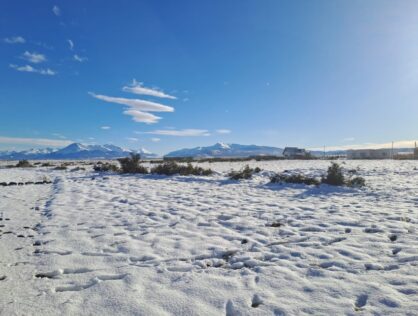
164, 75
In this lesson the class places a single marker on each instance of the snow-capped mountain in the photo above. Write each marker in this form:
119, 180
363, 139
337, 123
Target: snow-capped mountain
76, 151
227, 150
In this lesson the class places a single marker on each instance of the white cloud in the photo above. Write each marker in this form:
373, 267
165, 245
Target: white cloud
33, 57
105, 127
14, 40
59, 135
348, 139
35, 141
182, 133
155, 139
223, 131
28, 68
71, 43
138, 88
137, 104
79, 58
142, 117
132, 139
56, 10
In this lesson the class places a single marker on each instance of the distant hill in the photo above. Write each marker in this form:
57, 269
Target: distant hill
226, 150
75, 151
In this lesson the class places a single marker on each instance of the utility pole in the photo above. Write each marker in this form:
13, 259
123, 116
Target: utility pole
392, 150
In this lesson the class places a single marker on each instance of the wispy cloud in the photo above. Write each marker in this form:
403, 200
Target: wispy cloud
142, 117
14, 40
71, 43
132, 139
137, 104
28, 68
79, 58
59, 135
56, 10
223, 131
33, 57
35, 141
155, 139
105, 127
181, 133
348, 139
138, 88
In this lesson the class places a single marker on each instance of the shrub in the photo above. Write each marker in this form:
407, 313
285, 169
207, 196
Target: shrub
294, 178
46, 164
334, 175
132, 164
245, 173
23, 164
105, 167
78, 169
61, 167
356, 182
170, 168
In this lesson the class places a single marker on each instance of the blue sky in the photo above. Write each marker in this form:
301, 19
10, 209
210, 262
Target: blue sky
171, 74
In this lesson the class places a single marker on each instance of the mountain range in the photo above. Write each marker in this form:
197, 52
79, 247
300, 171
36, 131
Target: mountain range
226, 150
82, 151
75, 151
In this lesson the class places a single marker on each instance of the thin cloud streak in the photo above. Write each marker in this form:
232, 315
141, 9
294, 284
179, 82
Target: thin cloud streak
35, 141
223, 131
28, 68
132, 139
71, 43
181, 133
14, 40
138, 88
79, 58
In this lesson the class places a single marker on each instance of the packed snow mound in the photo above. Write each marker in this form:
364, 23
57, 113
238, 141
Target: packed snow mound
227, 150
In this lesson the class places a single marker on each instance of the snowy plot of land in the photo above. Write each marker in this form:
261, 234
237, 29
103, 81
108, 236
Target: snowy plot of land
145, 245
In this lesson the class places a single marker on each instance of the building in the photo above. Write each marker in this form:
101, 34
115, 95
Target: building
294, 152
369, 154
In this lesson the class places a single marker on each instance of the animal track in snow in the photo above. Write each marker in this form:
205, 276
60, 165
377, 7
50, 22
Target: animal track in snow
53, 252
94, 281
56, 273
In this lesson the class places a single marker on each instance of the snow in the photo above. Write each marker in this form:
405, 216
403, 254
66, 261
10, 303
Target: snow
150, 245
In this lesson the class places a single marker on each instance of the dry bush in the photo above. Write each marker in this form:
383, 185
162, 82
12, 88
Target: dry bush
245, 173
170, 168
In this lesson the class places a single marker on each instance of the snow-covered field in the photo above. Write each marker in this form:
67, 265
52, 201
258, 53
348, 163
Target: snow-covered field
91, 244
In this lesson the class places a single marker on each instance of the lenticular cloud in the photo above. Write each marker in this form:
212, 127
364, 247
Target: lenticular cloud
137, 108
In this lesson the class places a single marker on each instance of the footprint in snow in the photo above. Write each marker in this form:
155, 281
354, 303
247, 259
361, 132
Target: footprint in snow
361, 301
231, 310
256, 301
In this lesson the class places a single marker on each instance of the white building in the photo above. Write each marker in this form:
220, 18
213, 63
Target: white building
369, 154
294, 152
